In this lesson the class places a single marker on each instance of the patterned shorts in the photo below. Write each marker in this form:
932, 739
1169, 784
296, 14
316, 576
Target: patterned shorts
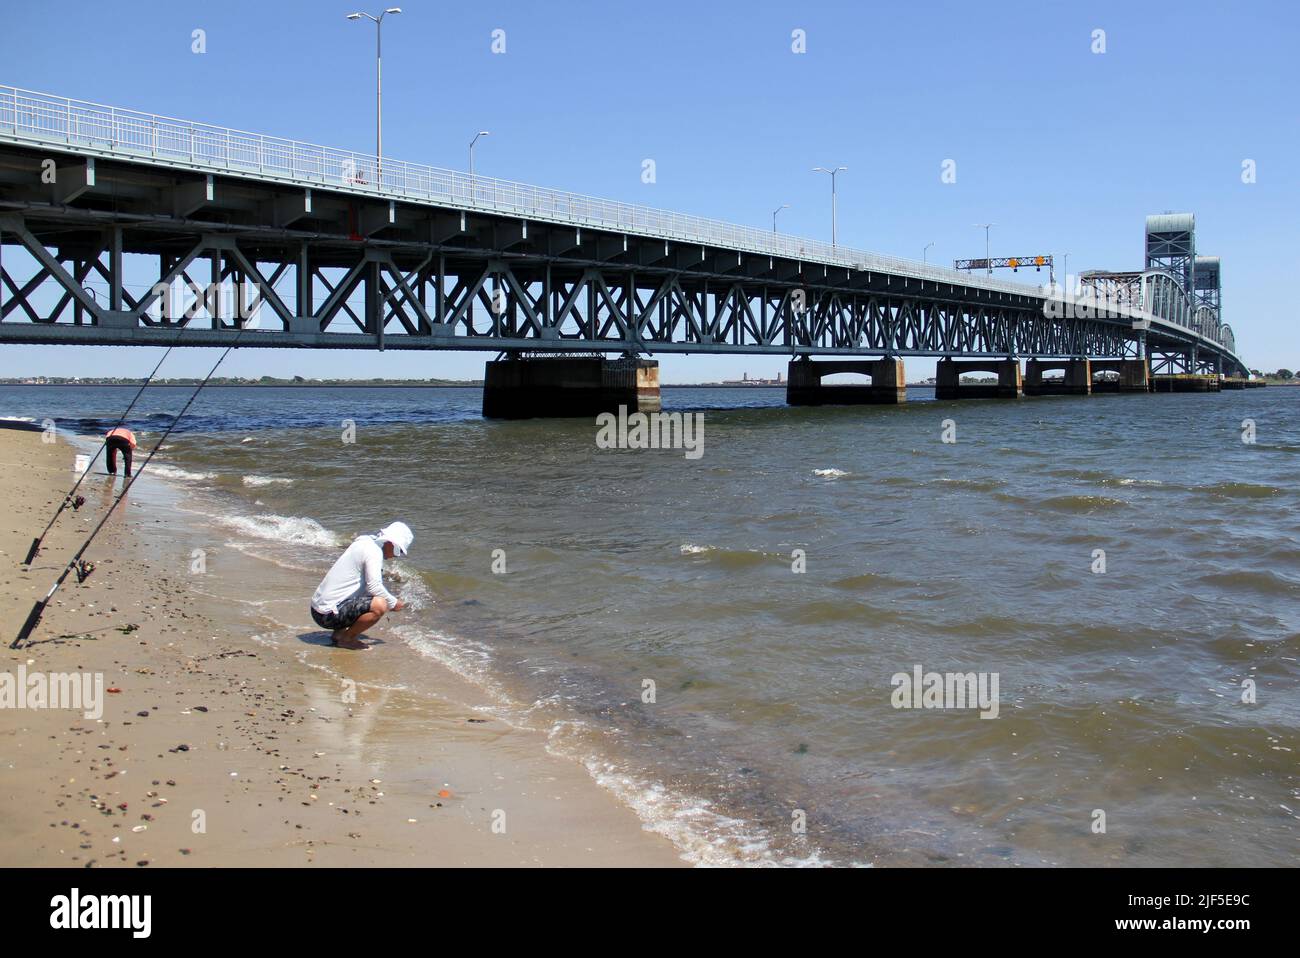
349, 610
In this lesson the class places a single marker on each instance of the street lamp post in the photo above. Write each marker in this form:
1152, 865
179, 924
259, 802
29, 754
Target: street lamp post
834, 173
783, 206
925, 253
471, 148
379, 83
988, 264
471, 159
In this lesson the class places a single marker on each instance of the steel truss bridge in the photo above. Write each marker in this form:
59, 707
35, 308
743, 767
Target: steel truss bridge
327, 248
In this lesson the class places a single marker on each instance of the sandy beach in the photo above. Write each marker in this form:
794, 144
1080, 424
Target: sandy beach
215, 750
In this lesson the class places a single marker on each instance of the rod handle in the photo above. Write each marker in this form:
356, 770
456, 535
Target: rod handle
30, 625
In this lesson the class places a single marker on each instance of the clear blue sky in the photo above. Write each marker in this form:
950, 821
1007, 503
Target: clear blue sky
1064, 149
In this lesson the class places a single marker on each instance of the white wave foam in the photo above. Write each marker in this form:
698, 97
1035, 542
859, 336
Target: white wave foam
829, 473
297, 529
689, 549
183, 475
255, 481
469, 659
703, 835
410, 587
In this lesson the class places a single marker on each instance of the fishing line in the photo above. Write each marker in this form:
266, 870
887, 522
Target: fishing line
34, 618
68, 499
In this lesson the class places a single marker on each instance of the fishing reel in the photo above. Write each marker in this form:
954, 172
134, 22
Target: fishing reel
83, 570
76, 503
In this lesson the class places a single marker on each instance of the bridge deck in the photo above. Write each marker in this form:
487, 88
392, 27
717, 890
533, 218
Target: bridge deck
444, 260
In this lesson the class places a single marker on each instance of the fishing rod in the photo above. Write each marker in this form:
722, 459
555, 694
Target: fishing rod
34, 618
68, 499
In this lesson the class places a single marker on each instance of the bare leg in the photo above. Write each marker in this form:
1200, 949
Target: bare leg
349, 638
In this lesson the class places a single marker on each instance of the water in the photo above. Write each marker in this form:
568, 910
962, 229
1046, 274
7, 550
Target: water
1119, 691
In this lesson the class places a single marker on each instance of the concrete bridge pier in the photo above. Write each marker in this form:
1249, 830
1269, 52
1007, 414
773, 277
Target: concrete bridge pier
948, 373
1134, 375
1077, 380
561, 386
804, 382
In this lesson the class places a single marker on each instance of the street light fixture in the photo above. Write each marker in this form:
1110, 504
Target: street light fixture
925, 253
834, 173
379, 82
783, 206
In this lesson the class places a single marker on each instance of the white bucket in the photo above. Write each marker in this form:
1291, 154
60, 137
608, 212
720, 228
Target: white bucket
81, 464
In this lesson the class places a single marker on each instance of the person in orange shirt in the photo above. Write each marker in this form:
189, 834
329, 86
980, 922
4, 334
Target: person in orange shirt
122, 439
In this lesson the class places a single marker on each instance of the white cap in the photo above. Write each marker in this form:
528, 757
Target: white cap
399, 534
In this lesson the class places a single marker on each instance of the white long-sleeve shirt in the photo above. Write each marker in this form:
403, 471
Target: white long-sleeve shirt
362, 564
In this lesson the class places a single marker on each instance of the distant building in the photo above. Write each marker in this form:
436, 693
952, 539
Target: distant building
744, 380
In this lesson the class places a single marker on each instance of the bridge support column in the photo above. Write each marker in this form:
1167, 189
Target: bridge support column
1135, 376
1131, 375
1077, 380
804, 383
559, 387
948, 373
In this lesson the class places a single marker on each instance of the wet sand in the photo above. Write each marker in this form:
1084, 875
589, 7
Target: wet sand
219, 750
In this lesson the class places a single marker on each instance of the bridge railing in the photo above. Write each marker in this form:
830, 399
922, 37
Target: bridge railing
44, 118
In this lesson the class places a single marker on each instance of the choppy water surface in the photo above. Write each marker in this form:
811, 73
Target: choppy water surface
1118, 691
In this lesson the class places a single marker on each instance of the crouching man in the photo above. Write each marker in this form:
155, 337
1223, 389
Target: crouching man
351, 598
